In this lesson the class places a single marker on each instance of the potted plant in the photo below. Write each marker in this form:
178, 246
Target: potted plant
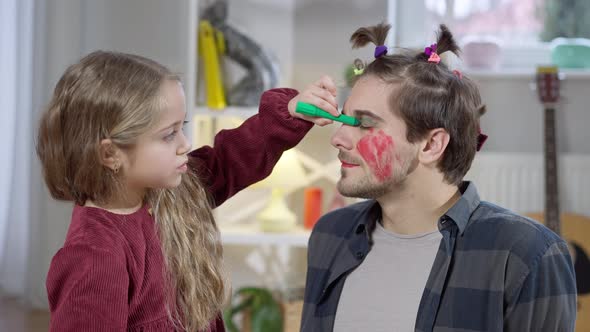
261, 312
567, 26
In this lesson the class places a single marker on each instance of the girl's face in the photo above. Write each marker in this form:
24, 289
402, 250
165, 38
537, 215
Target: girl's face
160, 156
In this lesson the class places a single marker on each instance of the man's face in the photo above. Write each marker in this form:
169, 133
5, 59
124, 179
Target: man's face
376, 157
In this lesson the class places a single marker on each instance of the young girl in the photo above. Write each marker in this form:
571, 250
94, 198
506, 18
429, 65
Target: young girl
143, 252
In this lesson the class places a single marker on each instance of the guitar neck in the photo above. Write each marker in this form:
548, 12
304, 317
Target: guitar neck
551, 185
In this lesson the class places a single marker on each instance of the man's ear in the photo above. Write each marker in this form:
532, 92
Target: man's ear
434, 146
109, 155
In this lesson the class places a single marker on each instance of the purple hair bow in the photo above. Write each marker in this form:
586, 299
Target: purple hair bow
430, 49
380, 51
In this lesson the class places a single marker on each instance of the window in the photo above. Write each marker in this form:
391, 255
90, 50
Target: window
514, 22
523, 27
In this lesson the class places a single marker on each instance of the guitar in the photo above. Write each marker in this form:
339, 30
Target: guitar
574, 228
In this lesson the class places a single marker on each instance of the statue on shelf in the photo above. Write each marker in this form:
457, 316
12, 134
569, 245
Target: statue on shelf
262, 70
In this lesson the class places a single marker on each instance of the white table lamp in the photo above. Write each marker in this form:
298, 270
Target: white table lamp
288, 173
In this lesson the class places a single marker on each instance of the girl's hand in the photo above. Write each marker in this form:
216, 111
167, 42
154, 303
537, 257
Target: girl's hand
321, 94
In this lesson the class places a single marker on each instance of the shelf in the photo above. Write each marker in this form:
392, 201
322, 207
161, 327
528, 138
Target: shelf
251, 235
230, 111
524, 73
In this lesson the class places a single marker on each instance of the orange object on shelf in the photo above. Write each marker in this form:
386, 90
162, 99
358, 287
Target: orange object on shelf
313, 207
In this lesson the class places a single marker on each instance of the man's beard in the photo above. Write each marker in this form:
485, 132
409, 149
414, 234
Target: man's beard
367, 186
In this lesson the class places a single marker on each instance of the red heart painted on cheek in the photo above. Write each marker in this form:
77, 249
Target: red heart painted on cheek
377, 151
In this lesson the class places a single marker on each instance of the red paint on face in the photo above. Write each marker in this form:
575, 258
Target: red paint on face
377, 151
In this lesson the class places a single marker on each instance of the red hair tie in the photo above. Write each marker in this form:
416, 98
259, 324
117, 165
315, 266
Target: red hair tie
481, 138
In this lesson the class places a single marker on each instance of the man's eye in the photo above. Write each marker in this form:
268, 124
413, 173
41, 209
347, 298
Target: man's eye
367, 122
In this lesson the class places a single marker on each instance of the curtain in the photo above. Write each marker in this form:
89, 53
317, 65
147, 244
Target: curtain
17, 108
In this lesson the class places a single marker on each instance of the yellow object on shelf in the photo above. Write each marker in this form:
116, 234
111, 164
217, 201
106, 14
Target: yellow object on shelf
211, 47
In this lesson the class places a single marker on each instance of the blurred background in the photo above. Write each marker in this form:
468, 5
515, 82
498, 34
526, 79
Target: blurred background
288, 43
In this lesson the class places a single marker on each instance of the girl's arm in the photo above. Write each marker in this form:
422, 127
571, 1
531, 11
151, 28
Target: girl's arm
87, 290
247, 154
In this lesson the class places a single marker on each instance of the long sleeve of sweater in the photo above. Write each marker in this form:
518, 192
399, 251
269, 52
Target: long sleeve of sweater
247, 154
87, 289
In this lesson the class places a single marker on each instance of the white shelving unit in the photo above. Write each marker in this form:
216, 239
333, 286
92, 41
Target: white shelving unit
231, 111
524, 74
250, 234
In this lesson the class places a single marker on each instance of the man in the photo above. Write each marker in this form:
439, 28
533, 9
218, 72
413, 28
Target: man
423, 253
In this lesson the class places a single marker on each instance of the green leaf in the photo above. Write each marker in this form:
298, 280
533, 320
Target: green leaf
260, 296
265, 311
228, 314
267, 319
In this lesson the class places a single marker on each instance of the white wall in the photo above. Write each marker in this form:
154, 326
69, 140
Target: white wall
322, 32
514, 120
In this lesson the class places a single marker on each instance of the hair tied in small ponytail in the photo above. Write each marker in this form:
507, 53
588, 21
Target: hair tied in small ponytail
431, 52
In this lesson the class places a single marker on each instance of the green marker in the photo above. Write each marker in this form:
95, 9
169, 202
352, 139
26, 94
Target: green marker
311, 110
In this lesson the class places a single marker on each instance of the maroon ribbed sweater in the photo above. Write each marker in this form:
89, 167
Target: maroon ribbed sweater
108, 275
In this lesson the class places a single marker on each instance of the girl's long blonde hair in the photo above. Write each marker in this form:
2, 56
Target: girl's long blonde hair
117, 96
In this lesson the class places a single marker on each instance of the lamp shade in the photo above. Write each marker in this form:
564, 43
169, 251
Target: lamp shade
287, 173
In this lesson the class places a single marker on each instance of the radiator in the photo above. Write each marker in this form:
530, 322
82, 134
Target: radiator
517, 182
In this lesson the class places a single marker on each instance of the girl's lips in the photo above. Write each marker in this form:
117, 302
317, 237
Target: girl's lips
182, 168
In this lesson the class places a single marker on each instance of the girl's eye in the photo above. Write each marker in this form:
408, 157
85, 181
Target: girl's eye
170, 136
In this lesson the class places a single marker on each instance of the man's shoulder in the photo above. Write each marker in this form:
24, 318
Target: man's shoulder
503, 218
495, 227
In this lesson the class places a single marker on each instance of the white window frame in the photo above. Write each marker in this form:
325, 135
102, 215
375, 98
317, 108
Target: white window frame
406, 17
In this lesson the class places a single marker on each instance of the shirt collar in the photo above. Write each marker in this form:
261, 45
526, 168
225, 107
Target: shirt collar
368, 218
460, 212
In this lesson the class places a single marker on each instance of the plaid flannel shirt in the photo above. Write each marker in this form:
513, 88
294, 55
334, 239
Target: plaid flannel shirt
494, 270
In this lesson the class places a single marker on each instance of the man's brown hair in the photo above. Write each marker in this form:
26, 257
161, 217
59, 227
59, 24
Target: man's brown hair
428, 95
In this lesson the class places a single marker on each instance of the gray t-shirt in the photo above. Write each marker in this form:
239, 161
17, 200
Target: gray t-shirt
383, 293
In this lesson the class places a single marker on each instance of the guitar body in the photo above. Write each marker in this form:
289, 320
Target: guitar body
576, 230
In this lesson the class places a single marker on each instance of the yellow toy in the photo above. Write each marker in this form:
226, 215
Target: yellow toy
211, 47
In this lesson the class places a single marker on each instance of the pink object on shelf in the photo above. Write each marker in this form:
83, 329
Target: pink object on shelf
482, 53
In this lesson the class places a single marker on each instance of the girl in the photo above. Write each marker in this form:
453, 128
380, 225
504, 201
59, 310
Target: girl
143, 252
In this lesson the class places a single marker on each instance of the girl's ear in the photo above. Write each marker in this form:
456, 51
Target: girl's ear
109, 155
